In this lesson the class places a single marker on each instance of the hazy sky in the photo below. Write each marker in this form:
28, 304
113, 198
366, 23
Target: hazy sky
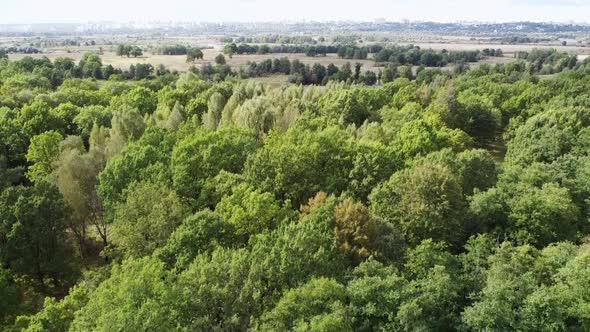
24, 11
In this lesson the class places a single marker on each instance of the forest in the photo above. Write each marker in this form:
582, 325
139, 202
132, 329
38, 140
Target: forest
203, 201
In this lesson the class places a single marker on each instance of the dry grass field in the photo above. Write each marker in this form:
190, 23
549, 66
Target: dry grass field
178, 62
215, 47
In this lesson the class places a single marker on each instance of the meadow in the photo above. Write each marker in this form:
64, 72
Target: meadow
212, 47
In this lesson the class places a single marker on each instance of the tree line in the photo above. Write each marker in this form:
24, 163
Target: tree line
402, 55
548, 61
273, 39
343, 51
317, 73
173, 50
21, 50
414, 55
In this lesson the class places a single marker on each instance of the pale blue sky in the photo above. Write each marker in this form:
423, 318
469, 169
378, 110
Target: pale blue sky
25, 11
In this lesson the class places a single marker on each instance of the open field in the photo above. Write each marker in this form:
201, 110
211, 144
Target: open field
213, 47
178, 62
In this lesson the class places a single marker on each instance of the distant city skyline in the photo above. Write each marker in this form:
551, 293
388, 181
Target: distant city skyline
77, 11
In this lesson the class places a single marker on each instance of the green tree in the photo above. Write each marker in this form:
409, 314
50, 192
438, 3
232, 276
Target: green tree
312, 248
508, 281
528, 207
220, 59
310, 306
43, 152
373, 163
430, 302
375, 296
56, 315
321, 159
547, 136
423, 136
10, 304
477, 169
476, 115
66, 113
252, 212
33, 226
543, 216
198, 234
143, 160
202, 155
76, 176
426, 201
91, 66
127, 125
140, 98
561, 306
123, 50
193, 54
215, 106
215, 287
345, 106
36, 118
146, 219
230, 49
137, 296
425, 299
136, 51
90, 115
258, 114
360, 235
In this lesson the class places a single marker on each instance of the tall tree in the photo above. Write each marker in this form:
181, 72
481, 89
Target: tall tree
34, 228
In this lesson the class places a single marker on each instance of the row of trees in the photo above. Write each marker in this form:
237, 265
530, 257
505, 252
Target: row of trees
179, 203
90, 66
173, 50
309, 50
317, 74
414, 55
343, 51
401, 55
129, 50
273, 39
192, 53
492, 52
548, 61
21, 50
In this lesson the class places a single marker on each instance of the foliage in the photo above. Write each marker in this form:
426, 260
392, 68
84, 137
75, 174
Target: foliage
204, 154
33, 229
146, 219
425, 201
137, 296
437, 200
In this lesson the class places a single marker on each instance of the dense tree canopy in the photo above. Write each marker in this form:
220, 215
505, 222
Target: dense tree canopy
435, 200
